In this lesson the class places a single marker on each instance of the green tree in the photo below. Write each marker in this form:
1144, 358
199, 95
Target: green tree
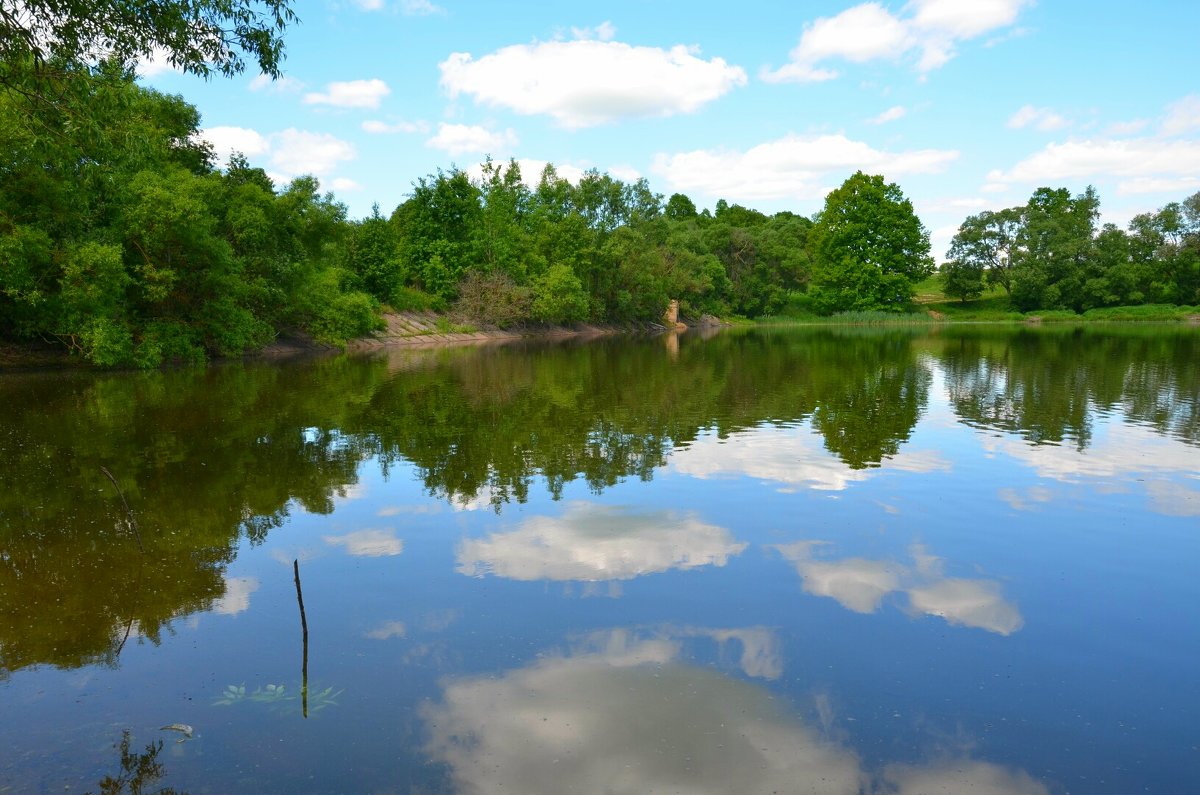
869, 247
984, 243
680, 208
962, 279
1052, 249
438, 231
198, 37
373, 254
559, 297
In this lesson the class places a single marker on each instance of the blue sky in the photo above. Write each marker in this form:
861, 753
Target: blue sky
967, 104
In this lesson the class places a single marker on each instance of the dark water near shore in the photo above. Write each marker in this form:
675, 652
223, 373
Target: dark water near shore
832, 561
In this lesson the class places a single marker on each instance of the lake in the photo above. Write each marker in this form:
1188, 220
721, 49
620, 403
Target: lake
768, 560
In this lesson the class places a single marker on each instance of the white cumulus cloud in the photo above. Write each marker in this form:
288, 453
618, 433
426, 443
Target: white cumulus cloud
288, 153
295, 152
870, 32
891, 114
594, 720
227, 140
351, 94
157, 63
1133, 158
585, 83
1182, 116
389, 629
605, 31
377, 127
345, 184
1042, 118
457, 139
795, 166
790, 457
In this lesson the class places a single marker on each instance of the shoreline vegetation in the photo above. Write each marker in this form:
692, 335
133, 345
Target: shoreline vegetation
429, 329
123, 243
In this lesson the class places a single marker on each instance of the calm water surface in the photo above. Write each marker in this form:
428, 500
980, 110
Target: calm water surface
772, 561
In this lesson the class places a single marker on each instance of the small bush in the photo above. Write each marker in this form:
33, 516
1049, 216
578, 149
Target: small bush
494, 299
410, 299
334, 316
559, 297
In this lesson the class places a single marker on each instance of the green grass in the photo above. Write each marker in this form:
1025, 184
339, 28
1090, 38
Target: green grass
991, 309
931, 304
880, 318
1147, 312
852, 319
446, 326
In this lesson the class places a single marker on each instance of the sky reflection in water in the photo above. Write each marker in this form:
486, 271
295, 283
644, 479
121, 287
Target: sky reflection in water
802, 561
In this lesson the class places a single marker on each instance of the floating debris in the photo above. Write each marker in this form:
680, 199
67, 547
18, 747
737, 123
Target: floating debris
182, 728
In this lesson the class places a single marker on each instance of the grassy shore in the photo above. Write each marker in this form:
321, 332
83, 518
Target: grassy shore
931, 305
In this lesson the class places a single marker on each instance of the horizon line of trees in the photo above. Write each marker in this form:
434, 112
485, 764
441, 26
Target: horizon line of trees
1049, 254
122, 242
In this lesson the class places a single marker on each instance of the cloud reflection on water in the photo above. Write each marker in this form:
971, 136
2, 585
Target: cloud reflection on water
1112, 461
861, 585
622, 714
591, 542
370, 543
794, 457
237, 595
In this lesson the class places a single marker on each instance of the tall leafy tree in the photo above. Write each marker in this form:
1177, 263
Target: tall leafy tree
1052, 248
869, 247
984, 244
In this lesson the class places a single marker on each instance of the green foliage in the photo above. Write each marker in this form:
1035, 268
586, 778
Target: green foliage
985, 244
1053, 245
198, 37
121, 242
558, 296
372, 251
869, 248
334, 315
1050, 258
410, 299
962, 280
680, 208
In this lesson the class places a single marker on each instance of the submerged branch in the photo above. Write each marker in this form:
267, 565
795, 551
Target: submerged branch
130, 519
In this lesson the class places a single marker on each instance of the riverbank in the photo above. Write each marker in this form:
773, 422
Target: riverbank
401, 329
430, 329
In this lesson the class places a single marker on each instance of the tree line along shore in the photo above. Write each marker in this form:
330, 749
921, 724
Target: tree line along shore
124, 243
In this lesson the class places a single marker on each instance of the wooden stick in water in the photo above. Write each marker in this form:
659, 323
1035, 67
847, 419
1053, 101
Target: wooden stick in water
304, 628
